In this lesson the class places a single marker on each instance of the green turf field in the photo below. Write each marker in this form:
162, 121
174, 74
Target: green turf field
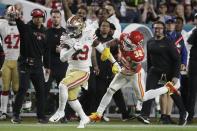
113, 125
94, 127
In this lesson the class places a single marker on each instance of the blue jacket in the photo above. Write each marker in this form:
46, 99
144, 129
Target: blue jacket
179, 42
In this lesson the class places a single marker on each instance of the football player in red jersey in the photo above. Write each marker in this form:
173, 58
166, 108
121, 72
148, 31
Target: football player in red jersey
131, 54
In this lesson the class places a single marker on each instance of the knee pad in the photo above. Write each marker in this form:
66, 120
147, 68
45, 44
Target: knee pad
110, 91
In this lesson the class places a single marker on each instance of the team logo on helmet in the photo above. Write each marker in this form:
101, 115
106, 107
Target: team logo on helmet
75, 26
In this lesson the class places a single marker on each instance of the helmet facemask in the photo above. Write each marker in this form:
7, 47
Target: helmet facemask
128, 45
11, 15
11, 19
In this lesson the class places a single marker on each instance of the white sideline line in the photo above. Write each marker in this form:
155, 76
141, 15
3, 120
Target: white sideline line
97, 126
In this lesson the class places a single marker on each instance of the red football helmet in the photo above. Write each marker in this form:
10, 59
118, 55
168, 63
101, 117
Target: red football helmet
126, 42
136, 37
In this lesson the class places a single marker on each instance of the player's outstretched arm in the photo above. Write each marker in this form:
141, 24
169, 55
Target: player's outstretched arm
106, 55
67, 11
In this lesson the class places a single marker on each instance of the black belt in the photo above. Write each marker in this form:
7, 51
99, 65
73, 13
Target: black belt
30, 60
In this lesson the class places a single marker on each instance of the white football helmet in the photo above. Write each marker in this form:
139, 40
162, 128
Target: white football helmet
10, 15
75, 26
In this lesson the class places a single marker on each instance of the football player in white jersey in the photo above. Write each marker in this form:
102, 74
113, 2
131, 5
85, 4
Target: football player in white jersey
76, 48
11, 43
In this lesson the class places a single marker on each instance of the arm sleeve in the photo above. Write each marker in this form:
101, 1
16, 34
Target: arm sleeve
101, 49
66, 53
111, 43
20, 25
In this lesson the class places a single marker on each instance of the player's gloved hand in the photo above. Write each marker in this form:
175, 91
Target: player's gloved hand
66, 40
78, 46
105, 54
176, 82
116, 68
12, 12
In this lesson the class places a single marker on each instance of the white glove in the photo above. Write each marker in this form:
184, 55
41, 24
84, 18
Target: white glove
176, 82
66, 40
78, 46
12, 12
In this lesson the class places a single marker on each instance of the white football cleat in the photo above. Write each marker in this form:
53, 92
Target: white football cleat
83, 122
57, 116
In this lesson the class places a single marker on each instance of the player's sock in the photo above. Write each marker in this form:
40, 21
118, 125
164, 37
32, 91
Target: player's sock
157, 102
150, 94
139, 105
76, 106
4, 102
105, 101
63, 96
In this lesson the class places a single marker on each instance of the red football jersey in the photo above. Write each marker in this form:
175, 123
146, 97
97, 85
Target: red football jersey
131, 60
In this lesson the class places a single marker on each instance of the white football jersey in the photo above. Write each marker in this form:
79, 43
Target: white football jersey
82, 60
10, 40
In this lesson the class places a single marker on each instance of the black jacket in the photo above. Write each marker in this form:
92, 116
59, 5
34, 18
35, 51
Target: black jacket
192, 40
163, 56
33, 42
53, 40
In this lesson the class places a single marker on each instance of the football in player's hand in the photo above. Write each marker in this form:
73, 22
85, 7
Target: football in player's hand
66, 41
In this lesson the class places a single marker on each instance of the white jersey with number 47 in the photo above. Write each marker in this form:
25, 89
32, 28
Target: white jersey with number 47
10, 40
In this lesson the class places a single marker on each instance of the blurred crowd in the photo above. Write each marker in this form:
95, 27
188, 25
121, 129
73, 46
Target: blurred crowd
134, 11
